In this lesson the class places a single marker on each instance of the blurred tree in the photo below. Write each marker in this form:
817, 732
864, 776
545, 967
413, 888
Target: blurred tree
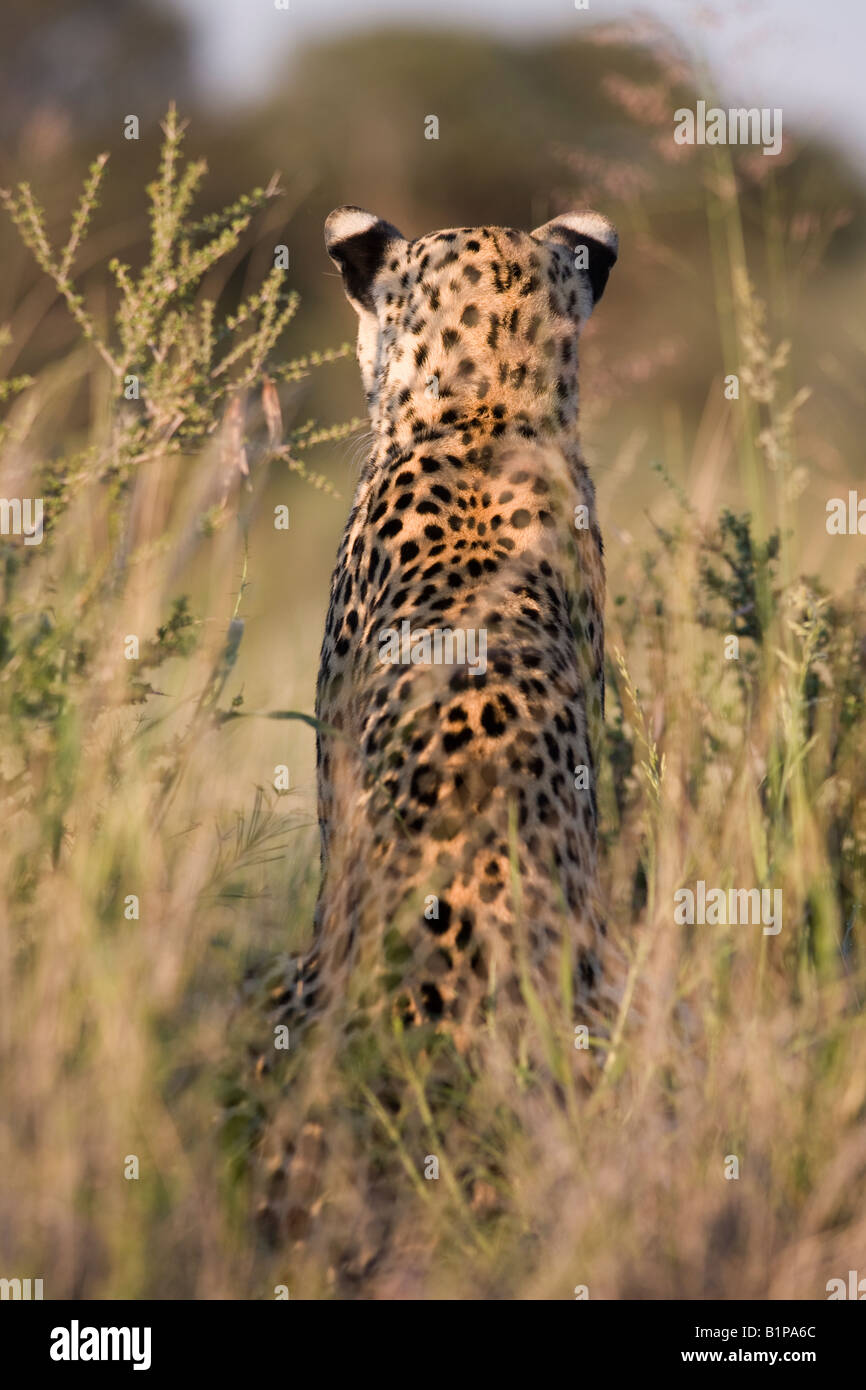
65, 69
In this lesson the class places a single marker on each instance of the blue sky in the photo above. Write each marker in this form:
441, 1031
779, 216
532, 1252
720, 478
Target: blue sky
805, 56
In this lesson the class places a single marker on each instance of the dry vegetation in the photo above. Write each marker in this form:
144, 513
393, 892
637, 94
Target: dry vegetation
127, 1032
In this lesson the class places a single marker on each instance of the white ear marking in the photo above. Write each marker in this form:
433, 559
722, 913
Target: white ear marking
589, 223
347, 222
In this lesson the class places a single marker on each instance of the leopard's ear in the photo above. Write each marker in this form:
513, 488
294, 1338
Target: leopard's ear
357, 241
591, 235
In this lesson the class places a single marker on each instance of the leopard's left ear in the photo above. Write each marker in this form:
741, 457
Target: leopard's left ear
593, 241
357, 241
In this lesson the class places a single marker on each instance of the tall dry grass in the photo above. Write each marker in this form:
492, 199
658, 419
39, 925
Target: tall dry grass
150, 868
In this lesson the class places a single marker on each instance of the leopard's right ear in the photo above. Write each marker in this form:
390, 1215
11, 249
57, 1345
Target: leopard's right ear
357, 242
595, 237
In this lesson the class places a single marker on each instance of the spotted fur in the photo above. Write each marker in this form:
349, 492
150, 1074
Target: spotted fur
458, 842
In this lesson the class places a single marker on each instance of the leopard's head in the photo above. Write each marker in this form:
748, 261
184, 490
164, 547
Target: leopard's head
470, 314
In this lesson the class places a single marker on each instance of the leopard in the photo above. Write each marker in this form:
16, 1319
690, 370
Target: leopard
456, 796
460, 694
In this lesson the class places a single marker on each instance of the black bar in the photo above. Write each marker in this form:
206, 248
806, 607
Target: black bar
283, 1338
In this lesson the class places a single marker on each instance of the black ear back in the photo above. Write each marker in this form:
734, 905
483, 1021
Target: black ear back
595, 235
357, 242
